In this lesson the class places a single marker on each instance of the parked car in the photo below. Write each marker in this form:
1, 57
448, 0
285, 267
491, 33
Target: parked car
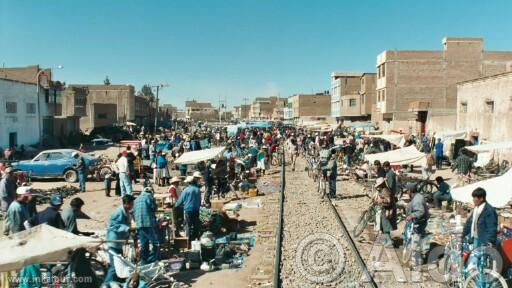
101, 142
56, 164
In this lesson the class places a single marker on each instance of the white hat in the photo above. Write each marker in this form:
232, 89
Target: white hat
379, 182
8, 170
74, 154
189, 179
197, 174
23, 190
175, 179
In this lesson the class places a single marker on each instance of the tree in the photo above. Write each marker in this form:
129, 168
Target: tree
146, 91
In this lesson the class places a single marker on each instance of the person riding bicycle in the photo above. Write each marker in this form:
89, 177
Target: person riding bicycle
388, 212
482, 224
418, 214
330, 171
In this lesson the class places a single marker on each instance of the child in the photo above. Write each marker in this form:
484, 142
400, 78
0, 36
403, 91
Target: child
108, 184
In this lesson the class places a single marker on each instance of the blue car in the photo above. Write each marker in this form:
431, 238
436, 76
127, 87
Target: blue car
55, 164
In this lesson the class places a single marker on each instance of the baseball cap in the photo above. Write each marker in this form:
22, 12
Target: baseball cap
55, 200
23, 190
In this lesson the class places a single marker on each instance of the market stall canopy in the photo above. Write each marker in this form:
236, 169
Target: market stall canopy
499, 191
489, 151
198, 156
262, 125
395, 139
40, 244
361, 125
130, 124
404, 156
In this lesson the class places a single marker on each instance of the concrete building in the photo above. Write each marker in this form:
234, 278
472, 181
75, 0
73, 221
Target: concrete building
406, 76
20, 120
304, 106
366, 101
262, 108
198, 111
28, 117
485, 105
345, 87
144, 111
168, 112
107, 105
241, 112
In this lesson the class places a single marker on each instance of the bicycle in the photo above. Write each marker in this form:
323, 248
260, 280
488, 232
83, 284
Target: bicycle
424, 245
367, 216
469, 267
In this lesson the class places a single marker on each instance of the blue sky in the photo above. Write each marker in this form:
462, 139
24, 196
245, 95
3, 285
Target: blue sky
233, 49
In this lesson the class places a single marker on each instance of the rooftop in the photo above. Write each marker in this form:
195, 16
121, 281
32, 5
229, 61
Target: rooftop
505, 74
346, 74
195, 104
103, 86
22, 74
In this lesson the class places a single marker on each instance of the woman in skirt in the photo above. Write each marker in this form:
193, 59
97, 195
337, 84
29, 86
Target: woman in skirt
162, 173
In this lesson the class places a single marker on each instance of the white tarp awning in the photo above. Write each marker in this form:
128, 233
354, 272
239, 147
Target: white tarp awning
489, 151
198, 156
397, 139
40, 244
499, 191
404, 156
490, 147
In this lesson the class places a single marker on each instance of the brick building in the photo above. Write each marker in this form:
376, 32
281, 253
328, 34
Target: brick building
345, 88
406, 76
304, 106
263, 108
199, 111
107, 105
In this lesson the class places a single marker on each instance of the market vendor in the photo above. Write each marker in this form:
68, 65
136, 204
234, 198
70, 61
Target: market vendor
144, 214
482, 224
190, 200
118, 231
443, 193
50, 216
70, 214
17, 213
388, 213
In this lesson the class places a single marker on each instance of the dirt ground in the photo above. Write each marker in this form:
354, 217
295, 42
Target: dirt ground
99, 208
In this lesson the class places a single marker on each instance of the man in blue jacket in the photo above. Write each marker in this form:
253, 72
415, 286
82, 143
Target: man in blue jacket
439, 153
482, 224
190, 199
118, 230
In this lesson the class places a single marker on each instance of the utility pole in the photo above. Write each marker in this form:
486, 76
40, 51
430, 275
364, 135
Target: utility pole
156, 103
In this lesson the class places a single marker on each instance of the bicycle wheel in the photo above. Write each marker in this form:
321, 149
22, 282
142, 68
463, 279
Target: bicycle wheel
163, 283
488, 279
427, 187
361, 223
453, 270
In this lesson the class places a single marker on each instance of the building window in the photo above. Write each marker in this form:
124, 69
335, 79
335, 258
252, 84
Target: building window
341, 102
352, 102
463, 107
11, 107
102, 116
383, 70
489, 107
362, 99
31, 108
384, 95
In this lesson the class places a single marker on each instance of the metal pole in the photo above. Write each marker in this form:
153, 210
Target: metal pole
156, 108
277, 260
39, 118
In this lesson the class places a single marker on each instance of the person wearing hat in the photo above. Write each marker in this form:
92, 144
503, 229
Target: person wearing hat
124, 174
377, 166
387, 213
7, 189
144, 214
81, 168
190, 200
17, 213
418, 214
50, 215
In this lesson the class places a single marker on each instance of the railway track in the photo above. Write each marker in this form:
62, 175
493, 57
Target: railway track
314, 247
